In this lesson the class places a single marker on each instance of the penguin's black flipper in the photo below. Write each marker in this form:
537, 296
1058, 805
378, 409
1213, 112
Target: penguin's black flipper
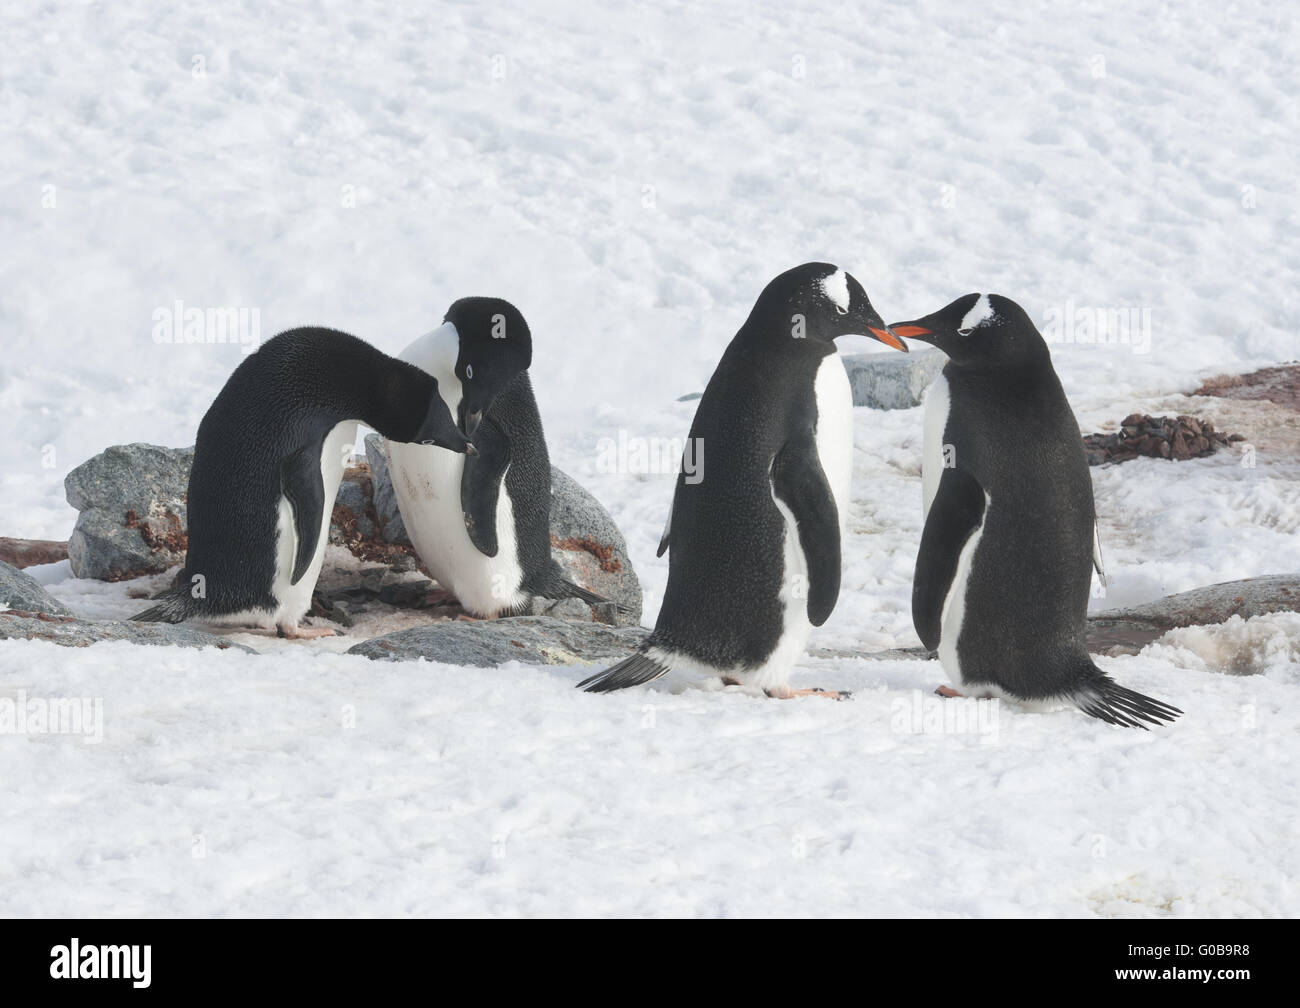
480, 485
801, 485
304, 487
955, 513
633, 671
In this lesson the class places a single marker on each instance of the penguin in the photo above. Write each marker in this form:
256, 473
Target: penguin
757, 520
267, 465
1005, 564
482, 524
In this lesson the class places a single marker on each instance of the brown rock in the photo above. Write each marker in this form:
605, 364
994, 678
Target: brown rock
22, 553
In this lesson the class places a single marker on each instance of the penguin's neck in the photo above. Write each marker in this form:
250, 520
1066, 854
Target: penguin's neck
435, 353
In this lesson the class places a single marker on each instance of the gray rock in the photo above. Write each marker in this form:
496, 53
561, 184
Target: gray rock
590, 549
891, 381
584, 541
354, 494
132, 504
391, 526
540, 640
1127, 631
24, 592
68, 631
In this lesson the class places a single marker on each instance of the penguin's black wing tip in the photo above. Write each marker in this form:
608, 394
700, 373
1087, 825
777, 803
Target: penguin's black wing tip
572, 590
1108, 701
173, 608
633, 671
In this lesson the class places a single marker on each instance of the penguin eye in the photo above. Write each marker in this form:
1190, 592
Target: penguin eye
469, 371
964, 332
842, 311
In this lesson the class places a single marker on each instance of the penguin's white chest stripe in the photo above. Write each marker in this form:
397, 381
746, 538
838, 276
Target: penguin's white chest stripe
932, 454
954, 603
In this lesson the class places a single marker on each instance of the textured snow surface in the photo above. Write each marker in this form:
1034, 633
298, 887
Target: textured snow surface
631, 177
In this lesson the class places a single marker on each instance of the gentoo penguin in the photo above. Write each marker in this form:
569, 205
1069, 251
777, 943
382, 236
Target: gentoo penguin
267, 466
1002, 577
756, 525
482, 525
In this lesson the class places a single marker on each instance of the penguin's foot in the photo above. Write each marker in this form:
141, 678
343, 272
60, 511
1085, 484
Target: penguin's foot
304, 632
947, 692
786, 693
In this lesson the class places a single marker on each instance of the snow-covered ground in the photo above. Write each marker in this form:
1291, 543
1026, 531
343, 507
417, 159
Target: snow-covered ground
630, 177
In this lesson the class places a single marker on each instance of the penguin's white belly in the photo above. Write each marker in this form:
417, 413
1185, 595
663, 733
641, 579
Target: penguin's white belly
936, 421
834, 439
427, 483
293, 600
953, 614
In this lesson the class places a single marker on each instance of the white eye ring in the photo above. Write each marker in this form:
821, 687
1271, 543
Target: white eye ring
469, 371
964, 332
842, 311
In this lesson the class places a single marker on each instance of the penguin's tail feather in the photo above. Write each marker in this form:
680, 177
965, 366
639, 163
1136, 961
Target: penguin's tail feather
639, 668
1107, 700
572, 590
174, 606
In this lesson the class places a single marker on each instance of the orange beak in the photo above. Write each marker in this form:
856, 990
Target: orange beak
888, 337
910, 330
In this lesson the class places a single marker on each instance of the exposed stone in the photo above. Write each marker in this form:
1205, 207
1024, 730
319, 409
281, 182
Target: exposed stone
132, 504
590, 549
31, 552
540, 640
1177, 438
1280, 385
890, 381
68, 631
1127, 631
391, 527
24, 592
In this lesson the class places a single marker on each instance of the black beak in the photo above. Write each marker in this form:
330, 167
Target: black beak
875, 328
472, 420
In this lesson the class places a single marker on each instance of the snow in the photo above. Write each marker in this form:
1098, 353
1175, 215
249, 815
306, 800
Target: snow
631, 181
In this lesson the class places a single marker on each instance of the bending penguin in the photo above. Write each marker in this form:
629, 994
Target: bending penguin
482, 525
267, 465
1003, 573
758, 515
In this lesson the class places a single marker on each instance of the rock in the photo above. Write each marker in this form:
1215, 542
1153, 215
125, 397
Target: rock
540, 640
391, 527
1280, 385
410, 594
1127, 631
69, 631
355, 498
690, 397
132, 504
1177, 438
31, 552
890, 381
23, 592
590, 549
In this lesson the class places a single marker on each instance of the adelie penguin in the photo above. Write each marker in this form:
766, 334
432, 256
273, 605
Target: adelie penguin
1003, 574
482, 525
757, 521
267, 466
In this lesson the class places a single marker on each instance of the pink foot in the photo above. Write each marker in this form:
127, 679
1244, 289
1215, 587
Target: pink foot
305, 632
947, 692
786, 693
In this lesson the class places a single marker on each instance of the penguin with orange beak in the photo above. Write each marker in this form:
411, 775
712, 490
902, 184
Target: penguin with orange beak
1003, 574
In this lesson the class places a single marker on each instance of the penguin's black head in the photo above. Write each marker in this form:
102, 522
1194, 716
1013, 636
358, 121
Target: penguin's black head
819, 301
495, 346
980, 331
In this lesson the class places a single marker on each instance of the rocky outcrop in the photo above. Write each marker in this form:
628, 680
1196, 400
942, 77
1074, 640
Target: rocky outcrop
890, 381
540, 640
1176, 438
22, 553
22, 591
68, 631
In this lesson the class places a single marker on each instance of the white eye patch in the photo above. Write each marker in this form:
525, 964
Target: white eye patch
836, 288
981, 311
